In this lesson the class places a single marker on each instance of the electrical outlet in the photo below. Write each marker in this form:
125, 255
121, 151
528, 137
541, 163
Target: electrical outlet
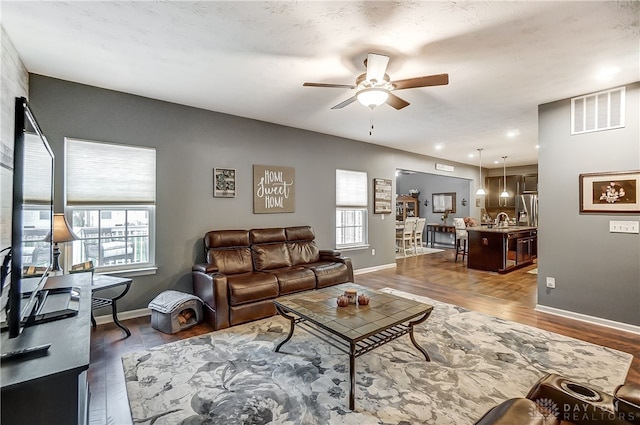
624, 226
373, 251
551, 282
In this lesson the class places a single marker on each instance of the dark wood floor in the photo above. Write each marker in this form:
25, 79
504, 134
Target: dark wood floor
511, 296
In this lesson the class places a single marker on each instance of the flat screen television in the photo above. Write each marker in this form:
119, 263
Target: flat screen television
31, 251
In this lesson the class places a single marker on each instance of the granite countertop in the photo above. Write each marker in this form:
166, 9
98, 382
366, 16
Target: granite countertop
509, 229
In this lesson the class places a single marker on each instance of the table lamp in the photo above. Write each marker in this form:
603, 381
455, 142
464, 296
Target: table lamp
61, 233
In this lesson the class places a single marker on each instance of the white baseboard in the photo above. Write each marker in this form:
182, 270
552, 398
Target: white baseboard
374, 268
589, 319
131, 314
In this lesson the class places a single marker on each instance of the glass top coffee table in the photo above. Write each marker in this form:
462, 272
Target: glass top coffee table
355, 329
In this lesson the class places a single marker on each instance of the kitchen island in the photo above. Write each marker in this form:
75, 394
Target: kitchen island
501, 249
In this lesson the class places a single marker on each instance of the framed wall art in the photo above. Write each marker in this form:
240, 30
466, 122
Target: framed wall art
224, 183
441, 202
382, 196
274, 189
610, 192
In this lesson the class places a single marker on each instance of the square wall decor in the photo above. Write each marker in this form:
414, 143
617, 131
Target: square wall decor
273, 189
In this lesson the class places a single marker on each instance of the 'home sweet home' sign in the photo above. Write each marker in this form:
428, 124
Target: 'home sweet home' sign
273, 189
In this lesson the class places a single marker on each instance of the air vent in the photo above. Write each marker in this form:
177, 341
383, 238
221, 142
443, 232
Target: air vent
598, 111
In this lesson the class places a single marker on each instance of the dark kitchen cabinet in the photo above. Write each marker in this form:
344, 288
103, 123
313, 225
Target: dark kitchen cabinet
501, 249
529, 183
495, 186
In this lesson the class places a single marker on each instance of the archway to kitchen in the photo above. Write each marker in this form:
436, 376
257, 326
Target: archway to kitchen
423, 186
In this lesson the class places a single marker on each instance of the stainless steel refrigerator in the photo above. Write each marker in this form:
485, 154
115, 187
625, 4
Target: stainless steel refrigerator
527, 209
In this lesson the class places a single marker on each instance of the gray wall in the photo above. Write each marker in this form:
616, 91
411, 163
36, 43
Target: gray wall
190, 143
597, 273
14, 83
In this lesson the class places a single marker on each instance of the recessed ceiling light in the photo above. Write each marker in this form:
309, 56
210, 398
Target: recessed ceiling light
496, 162
471, 155
513, 133
537, 146
607, 73
439, 147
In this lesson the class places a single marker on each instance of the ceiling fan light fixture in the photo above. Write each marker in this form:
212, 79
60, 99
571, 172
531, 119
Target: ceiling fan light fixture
372, 97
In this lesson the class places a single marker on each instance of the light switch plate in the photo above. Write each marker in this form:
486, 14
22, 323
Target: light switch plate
624, 226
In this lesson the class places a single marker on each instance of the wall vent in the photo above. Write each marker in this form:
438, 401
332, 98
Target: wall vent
598, 111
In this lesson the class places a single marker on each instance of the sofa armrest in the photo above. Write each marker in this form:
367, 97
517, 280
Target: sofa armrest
627, 401
205, 268
212, 288
332, 255
329, 254
520, 411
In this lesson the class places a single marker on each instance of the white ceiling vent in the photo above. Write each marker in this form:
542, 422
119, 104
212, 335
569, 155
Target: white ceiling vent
598, 111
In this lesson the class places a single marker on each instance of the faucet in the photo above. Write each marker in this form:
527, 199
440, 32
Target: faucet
502, 223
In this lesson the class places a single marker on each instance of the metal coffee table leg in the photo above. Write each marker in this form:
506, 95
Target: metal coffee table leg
413, 340
352, 376
293, 325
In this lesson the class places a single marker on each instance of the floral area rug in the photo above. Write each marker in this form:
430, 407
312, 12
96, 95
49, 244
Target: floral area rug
234, 376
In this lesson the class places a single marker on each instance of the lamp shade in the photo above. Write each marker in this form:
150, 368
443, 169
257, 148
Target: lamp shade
372, 97
61, 230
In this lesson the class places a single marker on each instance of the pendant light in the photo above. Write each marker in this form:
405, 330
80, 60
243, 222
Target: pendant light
504, 193
481, 190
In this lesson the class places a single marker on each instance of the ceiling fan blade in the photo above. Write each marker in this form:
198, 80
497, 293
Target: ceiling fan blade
396, 102
426, 81
339, 86
345, 103
376, 67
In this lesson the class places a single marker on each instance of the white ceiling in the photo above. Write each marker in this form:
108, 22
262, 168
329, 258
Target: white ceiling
251, 59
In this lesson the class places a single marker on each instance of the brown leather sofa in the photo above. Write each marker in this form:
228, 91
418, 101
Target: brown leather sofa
558, 400
247, 269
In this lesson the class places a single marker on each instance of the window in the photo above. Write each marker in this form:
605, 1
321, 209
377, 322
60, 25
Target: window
351, 209
598, 111
111, 210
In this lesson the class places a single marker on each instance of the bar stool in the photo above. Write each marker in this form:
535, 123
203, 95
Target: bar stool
461, 237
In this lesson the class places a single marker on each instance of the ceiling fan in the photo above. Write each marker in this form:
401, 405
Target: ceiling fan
373, 88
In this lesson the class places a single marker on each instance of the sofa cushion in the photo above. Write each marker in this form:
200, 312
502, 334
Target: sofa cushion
231, 261
328, 273
251, 311
270, 256
250, 287
271, 235
300, 233
294, 279
303, 252
226, 239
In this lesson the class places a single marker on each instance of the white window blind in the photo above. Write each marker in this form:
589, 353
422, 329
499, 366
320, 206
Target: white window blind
351, 209
109, 174
351, 188
37, 183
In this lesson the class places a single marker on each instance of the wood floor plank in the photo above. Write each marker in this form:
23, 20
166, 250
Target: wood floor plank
511, 296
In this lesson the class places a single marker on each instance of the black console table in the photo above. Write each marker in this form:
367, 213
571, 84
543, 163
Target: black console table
53, 388
433, 228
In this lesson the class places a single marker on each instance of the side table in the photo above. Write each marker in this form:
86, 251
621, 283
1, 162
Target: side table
101, 282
